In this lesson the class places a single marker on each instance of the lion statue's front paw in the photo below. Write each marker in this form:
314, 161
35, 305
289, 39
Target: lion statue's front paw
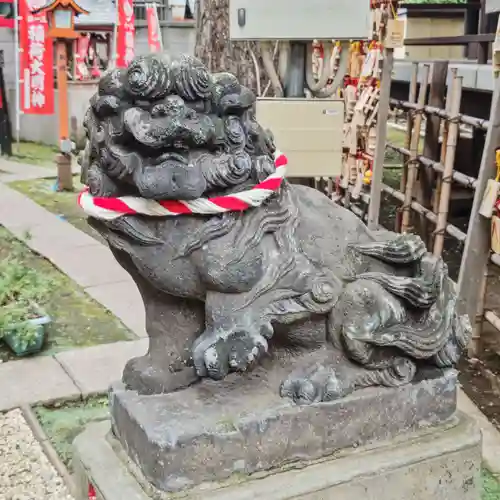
218, 351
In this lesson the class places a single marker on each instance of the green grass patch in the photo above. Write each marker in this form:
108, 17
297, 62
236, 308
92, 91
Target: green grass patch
78, 320
491, 486
396, 136
61, 203
63, 424
34, 153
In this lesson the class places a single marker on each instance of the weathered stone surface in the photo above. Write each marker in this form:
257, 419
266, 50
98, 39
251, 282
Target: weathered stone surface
440, 463
211, 430
242, 272
236, 264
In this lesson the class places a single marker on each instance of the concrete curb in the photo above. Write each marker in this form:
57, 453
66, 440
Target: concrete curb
47, 447
491, 436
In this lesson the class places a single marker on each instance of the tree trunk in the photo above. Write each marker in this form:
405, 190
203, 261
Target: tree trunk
219, 54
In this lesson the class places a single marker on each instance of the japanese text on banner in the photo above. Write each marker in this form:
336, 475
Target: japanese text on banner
153, 28
126, 33
37, 77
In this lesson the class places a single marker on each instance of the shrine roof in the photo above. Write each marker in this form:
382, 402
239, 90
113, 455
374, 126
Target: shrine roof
102, 13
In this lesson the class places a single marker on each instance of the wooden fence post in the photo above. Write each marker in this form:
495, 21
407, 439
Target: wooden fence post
444, 141
477, 245
381, 131
447, 180
412, 161
426, 176
412, 97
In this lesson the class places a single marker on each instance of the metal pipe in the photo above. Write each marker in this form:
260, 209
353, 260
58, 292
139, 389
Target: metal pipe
115, 37
296, 83
17, 71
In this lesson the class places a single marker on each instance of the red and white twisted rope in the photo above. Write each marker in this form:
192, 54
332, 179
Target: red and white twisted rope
111, 208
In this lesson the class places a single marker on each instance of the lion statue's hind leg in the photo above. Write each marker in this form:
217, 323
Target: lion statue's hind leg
387, 326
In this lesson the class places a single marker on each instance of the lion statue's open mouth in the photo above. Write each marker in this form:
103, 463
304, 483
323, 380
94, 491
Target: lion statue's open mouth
287, 276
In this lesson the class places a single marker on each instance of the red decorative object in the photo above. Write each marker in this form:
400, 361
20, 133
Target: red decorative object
8, 20
125, 33
92, 494
82, 48
37, 60
112, 208
154, 36
96, 72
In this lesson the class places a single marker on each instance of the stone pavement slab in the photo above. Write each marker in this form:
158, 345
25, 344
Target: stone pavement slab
27, 169
34, 380
6, 178
94, 369
58, 232
24, 171
124, 301
18, 211
89, 265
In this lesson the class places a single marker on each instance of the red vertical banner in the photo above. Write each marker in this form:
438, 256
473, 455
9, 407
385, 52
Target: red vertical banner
125, 33
154, 40
37, 60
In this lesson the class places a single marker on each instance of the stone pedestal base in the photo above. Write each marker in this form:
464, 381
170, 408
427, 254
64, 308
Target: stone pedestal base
241, 425
439, 463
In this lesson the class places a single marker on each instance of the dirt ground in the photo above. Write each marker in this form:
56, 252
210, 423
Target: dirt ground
480, 373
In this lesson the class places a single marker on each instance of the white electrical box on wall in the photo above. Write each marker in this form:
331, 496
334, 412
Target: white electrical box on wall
308, 131
299, 19
492, 6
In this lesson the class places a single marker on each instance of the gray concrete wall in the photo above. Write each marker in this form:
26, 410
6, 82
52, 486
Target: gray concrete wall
44, 128
475, 76
9, 54
178, 38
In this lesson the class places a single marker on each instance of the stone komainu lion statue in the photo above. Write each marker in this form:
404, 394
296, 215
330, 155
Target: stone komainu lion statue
296, 275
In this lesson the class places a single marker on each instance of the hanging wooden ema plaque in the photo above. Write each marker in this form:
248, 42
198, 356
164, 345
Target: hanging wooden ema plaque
491, 205
491, 192
395, 34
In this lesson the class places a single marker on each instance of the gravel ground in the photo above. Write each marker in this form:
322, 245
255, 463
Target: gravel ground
25, 471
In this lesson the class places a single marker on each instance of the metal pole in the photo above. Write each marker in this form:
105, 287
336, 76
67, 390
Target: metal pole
296, 76
17, 71
114, 46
